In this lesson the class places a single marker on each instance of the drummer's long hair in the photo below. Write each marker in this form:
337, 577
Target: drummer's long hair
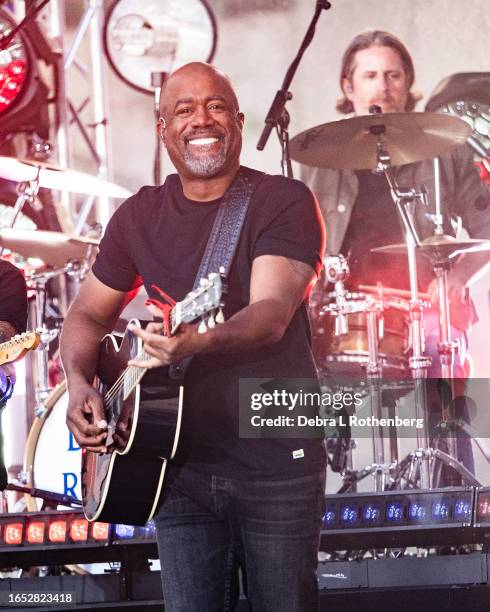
368, 39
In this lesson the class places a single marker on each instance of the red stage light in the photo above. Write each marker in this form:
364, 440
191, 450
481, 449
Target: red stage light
35, 533
100, 531
57, 531
79, 530
13, 533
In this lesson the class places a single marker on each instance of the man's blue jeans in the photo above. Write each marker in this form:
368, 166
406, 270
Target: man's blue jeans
207, 526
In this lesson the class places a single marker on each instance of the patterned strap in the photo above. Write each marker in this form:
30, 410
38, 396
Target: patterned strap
223, 239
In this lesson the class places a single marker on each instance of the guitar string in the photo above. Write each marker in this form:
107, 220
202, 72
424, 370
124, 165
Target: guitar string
119, 384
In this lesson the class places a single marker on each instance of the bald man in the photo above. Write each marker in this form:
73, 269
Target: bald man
228, 501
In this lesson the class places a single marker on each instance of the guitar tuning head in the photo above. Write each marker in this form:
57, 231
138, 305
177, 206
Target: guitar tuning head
202, 328
220, 317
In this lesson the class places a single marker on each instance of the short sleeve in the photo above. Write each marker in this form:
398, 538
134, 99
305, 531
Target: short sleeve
113, 265
295, 226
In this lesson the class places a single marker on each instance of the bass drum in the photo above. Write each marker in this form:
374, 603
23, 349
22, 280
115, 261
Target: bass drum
52, 458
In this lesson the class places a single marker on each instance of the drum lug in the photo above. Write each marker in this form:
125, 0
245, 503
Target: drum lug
40, 410
23, 477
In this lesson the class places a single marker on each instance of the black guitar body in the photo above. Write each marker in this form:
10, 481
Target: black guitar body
124, 485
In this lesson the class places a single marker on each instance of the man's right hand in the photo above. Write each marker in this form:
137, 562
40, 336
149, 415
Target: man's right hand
85, 417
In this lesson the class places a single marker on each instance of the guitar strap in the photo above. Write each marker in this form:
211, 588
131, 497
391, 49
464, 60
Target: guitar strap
223, 239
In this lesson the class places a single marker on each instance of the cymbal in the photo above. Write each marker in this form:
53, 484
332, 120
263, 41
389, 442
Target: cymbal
439, 247
53, 248
62, 179
348, 144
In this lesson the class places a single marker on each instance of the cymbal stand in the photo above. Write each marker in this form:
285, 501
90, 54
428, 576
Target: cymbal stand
374, 370
42, 388
404, 200
337, 271
27, 192
422, 460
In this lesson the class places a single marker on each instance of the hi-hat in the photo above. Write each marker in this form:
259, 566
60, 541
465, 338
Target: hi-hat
53, 248
52, 177
350, 144
439, 247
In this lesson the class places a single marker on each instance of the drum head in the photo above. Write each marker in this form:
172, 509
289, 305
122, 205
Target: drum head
53, 458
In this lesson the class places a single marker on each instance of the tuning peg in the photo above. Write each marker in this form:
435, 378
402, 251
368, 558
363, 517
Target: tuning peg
220, 317
202, 328
211, 321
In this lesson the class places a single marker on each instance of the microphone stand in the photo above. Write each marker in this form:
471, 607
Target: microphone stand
278, 116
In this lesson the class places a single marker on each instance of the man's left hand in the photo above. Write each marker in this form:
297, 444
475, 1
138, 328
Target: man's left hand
165, 350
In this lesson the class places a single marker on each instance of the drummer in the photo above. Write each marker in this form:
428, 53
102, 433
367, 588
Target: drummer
13, 320
359, 211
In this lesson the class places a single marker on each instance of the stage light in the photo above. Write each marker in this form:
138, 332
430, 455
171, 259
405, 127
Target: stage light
100, 531
371, 514
57, 531
394, 512
330, 516
13, 533
462, 510
23, 95
482, 511
143, 36
418, 512
349, 515
35, 532
441, 510
123, 532
79, 530
466, 95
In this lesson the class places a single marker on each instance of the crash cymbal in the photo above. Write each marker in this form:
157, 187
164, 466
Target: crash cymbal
53, 248
62, 179
439, 247
350, 144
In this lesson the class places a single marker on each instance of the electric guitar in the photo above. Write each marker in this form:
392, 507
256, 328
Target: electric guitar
17, 346
124, 484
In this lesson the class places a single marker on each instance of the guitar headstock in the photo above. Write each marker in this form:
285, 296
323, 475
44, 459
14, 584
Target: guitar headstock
17, 346
204, 303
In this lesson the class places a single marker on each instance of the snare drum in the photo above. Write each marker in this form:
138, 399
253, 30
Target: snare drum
346, 353
52, 457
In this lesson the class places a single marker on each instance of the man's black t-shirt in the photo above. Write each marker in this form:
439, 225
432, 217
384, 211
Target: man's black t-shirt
13, 309
158, 237
375, 222
13, 296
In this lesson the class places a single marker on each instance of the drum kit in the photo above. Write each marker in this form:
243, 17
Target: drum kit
45, 256
376, 334
375, 330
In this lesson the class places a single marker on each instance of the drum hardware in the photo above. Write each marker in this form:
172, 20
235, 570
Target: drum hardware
337, 271
42, 389
53, 248
52, 457
27, 192
425, 459
51, 176
50, 499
